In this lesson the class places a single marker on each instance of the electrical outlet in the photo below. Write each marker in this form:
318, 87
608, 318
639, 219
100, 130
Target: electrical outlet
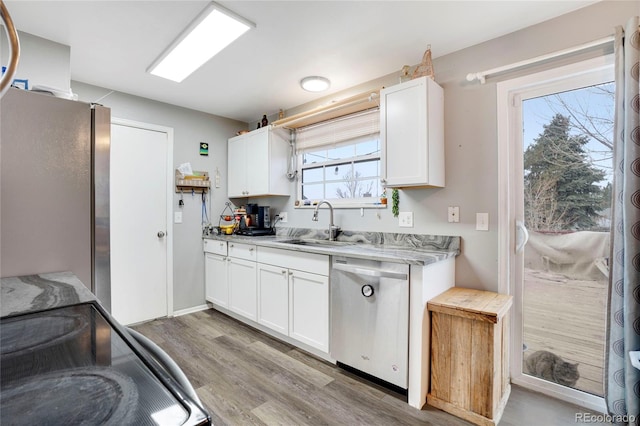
482, 221
453, 214
405, 219
283, 217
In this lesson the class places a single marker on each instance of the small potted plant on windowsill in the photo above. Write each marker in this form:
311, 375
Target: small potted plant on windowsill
383, 197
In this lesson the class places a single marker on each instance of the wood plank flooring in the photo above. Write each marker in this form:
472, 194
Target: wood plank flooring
245, 377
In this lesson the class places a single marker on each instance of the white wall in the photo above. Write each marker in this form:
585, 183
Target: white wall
42, 62
190, 128
471, 139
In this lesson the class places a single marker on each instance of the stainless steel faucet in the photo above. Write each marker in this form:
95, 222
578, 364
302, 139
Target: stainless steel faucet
333, 230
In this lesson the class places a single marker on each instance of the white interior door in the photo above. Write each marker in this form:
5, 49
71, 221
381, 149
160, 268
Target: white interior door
140, 241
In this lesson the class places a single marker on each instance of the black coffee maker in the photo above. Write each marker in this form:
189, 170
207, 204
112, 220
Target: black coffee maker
257, 221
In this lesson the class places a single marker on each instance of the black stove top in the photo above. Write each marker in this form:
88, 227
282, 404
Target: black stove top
71, 365
256, 232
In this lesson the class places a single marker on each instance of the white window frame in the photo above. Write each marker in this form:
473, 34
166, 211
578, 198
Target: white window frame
361, 202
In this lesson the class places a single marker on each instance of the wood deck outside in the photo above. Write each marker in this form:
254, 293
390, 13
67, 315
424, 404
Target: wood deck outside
567, 317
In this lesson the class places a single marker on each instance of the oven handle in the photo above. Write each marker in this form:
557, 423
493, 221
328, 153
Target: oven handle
166, 361
370, 272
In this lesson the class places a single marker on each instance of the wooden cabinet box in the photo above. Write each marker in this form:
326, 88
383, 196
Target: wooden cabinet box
470, 354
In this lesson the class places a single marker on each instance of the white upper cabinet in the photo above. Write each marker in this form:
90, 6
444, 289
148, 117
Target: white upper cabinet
412, 134
257, 163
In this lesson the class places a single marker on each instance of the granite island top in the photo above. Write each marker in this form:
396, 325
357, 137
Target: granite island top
412, 249
33, 293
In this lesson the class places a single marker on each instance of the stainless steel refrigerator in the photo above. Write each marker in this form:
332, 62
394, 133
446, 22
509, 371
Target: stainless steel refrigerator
54, 188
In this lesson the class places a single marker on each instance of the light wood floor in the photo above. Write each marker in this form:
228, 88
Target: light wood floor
567, 317
245, 377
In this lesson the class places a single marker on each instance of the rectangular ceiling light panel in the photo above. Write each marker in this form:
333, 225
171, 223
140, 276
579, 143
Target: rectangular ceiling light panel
213, 30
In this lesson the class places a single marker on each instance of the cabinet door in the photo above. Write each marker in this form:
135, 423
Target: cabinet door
236, 167
243, 287
411, 129
216, 284
273, 298
309, 309
257, 162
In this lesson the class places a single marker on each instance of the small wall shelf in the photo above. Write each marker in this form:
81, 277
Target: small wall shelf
198, 182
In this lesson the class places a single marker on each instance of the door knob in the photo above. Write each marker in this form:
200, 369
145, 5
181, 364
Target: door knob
160, 234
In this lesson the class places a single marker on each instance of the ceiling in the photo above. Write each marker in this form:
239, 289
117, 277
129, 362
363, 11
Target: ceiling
349, 42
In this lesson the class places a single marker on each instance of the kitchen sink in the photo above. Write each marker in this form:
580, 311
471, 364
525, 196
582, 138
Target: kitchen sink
310, 242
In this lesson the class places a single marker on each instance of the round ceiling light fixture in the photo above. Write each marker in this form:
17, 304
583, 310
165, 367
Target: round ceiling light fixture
315, 83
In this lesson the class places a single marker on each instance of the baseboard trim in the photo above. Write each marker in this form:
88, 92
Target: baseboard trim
190, 310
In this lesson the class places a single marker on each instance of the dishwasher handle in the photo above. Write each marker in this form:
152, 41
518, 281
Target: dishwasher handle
370, 272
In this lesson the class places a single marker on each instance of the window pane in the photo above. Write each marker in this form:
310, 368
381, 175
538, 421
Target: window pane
368, 188
341, 152
365, 169
312, 192
312, 175
314, 157
371, 147
339, 172
343, 189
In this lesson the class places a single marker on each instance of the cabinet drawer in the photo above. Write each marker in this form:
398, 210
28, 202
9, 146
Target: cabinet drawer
242, 251
215, 247
302, 261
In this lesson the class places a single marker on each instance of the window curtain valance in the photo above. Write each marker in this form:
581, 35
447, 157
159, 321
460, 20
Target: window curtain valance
338, 130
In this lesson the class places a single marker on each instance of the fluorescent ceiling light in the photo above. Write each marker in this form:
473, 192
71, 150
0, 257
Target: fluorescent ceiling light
213, 29
315, 83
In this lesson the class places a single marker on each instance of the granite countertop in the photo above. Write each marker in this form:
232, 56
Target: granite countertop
32, 293
413, 249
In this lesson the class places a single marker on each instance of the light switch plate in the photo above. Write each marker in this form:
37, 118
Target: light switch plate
482, 221
405, 219
283, 217
177, 217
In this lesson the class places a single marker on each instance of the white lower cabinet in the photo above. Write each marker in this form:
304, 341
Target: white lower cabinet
273, 297
216, 281
215, 272
293, 295
309, 309
242, 287
283, 290
230, 279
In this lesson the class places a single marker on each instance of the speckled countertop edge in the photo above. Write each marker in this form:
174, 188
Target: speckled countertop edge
33, 293
412, 249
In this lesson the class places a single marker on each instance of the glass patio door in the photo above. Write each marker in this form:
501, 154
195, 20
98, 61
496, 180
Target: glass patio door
562, 132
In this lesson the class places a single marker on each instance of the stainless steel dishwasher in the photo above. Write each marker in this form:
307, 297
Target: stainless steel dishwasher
370, 317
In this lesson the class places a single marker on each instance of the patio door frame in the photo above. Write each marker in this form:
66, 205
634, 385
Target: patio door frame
510, 94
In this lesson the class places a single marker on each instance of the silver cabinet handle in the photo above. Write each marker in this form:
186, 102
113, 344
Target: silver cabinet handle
161, 234
284, 272
370, 272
